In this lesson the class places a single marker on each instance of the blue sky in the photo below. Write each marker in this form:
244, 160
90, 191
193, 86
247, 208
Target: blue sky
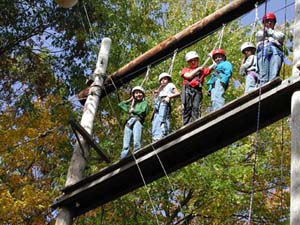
279, 7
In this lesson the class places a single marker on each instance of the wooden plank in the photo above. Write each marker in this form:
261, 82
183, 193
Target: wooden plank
89, 140
234, 121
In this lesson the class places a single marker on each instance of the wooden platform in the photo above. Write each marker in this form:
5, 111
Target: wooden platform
210, 133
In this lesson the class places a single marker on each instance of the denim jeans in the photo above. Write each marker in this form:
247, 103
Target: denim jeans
269, 61
217, 95
251, 81
136, 132
161, 121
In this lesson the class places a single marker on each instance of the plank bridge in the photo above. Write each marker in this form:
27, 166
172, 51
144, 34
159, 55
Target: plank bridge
234, 121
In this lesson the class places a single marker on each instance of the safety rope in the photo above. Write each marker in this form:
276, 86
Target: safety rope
218, 44
166, 174
282, 126
170, 71
146, 76
145, 185
256, 144
256, 21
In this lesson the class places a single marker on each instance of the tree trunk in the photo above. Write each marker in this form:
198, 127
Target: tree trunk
295, 160
80, 155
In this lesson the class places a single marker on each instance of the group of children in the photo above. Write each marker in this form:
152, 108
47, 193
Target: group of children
259, 65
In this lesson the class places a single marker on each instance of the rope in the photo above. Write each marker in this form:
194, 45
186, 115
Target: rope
256, 21
172, 62
256, 147
221, 36
146, 76
166, 174
218, 43
145, 184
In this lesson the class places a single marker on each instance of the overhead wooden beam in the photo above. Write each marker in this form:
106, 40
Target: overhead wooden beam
179, 41
234, 121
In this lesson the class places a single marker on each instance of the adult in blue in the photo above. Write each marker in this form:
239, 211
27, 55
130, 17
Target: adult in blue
269, 49
219, 79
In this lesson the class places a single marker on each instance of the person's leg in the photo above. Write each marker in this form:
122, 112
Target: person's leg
250, 83
197, 99
186, 105
126, 142
137, 135
217, 93
263, 64
163, 115
156, 130
275, 66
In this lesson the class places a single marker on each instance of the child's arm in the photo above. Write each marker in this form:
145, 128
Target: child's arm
190, 75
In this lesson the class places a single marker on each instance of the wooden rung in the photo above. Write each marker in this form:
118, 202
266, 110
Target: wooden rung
89, 140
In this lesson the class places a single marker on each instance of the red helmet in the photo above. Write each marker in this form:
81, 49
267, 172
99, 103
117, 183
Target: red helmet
218, 51
269, 16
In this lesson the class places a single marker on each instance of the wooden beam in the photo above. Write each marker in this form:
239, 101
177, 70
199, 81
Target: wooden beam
234, 121
179, 41
77, 127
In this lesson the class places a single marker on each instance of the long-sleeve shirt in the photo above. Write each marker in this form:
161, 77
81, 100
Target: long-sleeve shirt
140, 109
250, 64
274, 36
198, 78
222, 71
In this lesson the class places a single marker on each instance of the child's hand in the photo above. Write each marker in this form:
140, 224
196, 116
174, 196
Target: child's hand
166, 99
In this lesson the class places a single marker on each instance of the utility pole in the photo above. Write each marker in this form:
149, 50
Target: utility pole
81, 148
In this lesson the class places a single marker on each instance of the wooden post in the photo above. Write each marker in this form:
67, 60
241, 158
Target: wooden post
296, 40
79, 157
295, 160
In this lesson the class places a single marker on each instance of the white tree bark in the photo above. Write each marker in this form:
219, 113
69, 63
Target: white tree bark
295, 160
79, 157
296, 40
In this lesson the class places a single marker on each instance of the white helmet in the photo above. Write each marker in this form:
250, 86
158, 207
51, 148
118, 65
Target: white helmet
191, 55
162, 75
247, 45
138, 88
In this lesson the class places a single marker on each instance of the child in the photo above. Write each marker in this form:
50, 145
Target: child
249, 66
193, 77
269, 50
218, 82
162, 106
137, 107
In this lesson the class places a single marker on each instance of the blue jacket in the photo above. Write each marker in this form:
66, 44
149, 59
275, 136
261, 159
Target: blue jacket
223, 72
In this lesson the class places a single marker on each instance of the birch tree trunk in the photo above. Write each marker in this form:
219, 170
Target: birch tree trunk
80, 155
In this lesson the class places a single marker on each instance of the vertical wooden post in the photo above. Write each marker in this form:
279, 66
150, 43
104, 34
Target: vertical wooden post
296, 40
80, 155
295, 160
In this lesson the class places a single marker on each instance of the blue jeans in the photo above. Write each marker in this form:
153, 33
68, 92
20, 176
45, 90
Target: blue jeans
161, 121
136, 132
251, 81
217, 95
269, 62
